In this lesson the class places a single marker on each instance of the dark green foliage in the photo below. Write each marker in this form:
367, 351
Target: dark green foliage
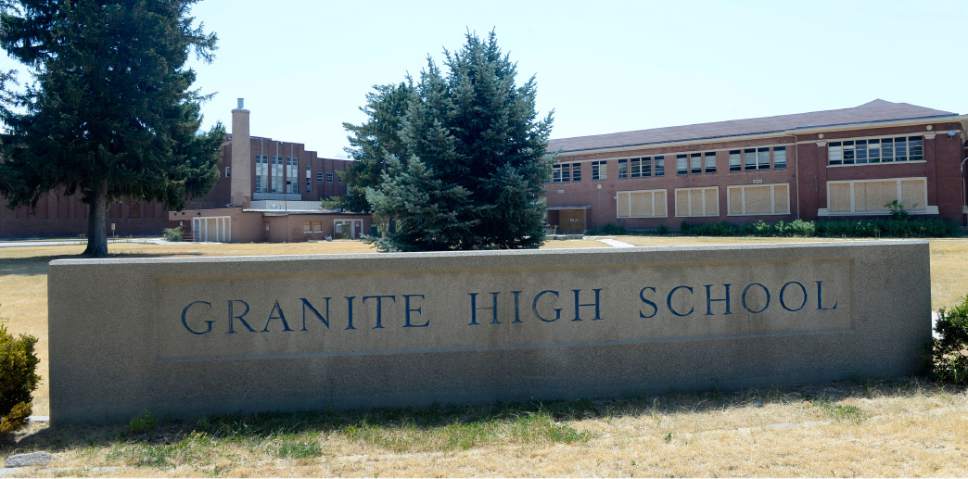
481, 152
373, 142
428, 215
867, 228
174, 234
609, 229
18, 379
950, 348
110, 113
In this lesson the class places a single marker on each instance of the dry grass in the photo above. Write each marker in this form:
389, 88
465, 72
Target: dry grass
900, 429
886, 429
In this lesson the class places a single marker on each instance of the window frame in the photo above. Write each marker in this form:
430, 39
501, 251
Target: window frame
887, 150
758, 185
652, 192
676, 201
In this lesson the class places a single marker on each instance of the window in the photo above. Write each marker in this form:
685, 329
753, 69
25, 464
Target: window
900, 149
261, 173
887, 150
835, 153
329, 177
872, 196
697, 202
695, 163
710, 162
623, 168
641, 204
640, 167
277, 174
576, 172
565, 172
319, 177
779, 158
763, 158
749, 158
876, 150
734, 160
228, 171
307, 227
745, 200
682, 164
292, 166
600, 170
915, 148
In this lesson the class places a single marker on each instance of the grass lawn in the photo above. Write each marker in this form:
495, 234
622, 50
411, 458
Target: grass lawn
885, 429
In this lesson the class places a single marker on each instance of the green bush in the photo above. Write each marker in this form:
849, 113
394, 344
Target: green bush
609, 229
950, 348
18, 379
895, 227
173, 234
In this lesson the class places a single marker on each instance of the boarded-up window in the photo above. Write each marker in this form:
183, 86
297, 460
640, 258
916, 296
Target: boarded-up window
758, 199
873, 196
695, 202
641, 204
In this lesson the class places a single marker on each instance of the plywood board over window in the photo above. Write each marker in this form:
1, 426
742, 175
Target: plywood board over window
641, 204
697, 202
749, 200
873, 196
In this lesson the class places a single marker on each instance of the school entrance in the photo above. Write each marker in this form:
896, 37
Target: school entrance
568, 219
347, 228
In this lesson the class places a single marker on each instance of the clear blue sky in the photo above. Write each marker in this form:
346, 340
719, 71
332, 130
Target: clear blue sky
603, 66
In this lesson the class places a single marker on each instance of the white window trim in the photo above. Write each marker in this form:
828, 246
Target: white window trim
628, 199
677, 190
925, 210
221, 232
743, 194
878, 137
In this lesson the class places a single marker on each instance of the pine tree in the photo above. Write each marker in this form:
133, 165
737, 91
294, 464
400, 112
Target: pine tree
473, 129
111, 113
374, 141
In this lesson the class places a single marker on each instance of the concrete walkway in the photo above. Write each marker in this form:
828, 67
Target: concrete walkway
615, 243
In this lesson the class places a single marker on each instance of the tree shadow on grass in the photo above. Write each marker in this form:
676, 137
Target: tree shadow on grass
148, 431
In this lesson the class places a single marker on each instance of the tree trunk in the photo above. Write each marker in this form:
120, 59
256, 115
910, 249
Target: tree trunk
97, 238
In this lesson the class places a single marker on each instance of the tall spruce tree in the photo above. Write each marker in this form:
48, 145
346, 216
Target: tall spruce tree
111, 112
376, 140
477, 135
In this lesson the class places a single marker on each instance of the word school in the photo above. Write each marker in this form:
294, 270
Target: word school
233, 316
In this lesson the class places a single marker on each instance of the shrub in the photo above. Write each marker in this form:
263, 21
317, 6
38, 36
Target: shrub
609, 229
18, 379
173, 234
950, 348
800, 227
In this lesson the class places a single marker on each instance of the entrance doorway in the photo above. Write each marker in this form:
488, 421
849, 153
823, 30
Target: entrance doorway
568, 219
347, 228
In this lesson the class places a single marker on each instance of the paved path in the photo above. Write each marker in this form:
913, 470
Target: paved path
616, 243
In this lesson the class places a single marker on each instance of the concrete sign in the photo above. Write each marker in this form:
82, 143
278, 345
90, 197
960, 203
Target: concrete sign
183, 337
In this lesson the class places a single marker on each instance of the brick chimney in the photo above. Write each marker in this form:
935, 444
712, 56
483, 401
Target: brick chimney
241, 190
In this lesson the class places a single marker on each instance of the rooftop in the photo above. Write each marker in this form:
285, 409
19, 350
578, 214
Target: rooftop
870, 112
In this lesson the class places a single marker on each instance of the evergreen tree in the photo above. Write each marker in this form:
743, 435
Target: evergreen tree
473, 129
111, 113
374, 141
